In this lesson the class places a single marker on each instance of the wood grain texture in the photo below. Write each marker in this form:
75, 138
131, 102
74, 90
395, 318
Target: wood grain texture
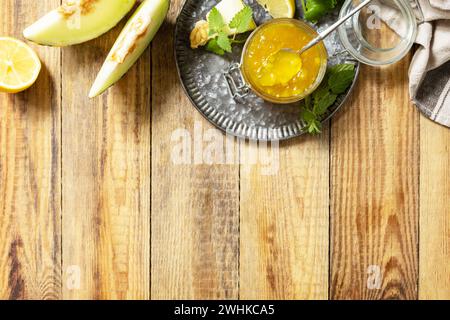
284, 222
93, 204
434, 211
30, 251
374, 189
106, 177
195, 207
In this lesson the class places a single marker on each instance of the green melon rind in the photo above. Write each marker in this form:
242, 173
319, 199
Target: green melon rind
113, 70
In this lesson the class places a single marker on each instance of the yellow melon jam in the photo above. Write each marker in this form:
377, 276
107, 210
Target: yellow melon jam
278, 75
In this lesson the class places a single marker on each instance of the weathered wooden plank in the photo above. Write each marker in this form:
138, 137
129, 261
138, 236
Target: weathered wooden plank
195, 207
106, 178
30, 235
374, 190
434, 211
284, 221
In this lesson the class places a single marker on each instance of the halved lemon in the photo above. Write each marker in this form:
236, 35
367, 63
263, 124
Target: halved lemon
19, 65
279, 8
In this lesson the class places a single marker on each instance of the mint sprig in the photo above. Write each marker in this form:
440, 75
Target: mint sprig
220, 42
341, 77
216, 22
337, 80
241, 21
213, 46
224, 42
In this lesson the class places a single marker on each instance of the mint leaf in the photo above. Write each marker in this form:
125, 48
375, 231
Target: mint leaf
340, 81
337, 79
241, 21
308, 115
224, 42
322, 105
320, 92
215, 20
213, 47
314, 127
341, 67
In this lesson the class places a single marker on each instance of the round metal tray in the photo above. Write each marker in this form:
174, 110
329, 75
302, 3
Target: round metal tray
201, 74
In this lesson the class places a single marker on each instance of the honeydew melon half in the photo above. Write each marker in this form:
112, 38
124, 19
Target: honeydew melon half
77, 21
131, 43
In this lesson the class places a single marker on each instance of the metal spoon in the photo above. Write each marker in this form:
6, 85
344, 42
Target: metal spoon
322, 35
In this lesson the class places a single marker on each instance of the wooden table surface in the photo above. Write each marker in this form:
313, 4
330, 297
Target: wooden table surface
92, 207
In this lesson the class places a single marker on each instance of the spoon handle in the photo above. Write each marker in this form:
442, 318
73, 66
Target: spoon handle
334, 26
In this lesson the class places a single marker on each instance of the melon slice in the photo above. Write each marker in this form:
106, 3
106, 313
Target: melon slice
131, 43
77, 21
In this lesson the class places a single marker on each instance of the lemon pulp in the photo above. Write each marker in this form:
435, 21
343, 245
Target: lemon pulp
19, 65
279, 8
278, 73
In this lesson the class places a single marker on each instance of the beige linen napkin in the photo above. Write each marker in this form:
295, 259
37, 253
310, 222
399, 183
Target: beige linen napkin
429, 73
430, 68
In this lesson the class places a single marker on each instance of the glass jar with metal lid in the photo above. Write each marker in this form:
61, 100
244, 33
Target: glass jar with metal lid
380, 34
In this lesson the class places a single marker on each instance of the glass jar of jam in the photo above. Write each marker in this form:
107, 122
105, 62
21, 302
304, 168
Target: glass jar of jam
273, 73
